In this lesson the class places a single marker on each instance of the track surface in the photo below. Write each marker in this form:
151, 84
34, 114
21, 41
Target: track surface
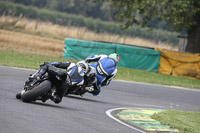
83, 114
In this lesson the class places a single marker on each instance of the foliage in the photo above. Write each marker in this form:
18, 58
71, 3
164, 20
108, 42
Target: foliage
178, 14
7, 8
186, 122
87, 8
98, 10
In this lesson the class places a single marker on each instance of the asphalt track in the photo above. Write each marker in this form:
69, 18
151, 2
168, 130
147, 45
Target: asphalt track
85, 114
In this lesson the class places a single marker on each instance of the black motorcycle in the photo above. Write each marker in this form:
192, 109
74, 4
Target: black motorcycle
81, 89
43, 88
76, 90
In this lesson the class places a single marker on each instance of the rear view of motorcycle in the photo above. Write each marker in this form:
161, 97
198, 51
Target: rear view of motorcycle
44, 87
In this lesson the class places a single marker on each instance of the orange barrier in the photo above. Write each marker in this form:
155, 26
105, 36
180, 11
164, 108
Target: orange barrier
179, 64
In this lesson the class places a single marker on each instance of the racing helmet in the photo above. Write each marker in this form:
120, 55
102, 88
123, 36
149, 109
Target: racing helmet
115, 57
91, 76
84, 66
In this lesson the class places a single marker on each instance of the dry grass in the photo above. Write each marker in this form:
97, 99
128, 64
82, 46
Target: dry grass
29, 43
53, 34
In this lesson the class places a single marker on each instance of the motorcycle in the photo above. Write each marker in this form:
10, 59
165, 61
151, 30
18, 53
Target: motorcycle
87, 86
89, 80
43, 88
76, 90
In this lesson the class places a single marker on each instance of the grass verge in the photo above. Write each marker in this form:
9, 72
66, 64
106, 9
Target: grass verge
185, 122
156, 78
27, 60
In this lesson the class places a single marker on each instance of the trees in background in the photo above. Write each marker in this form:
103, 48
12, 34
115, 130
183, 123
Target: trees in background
96, 25
178, 14
88, 9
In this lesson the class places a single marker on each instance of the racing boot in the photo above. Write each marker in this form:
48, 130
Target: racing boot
55, 98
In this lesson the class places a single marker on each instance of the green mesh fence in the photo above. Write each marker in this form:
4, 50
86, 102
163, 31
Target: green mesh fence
130, 56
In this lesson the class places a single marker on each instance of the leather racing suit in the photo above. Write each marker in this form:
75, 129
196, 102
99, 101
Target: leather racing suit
105, 68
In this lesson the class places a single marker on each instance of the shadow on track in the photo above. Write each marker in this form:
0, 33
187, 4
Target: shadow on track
51, 105
86, 99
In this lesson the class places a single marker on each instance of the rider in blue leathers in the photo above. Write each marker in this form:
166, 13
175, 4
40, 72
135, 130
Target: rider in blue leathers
105, 70
79, 74
94, 76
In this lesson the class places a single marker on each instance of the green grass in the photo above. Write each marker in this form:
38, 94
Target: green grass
155, 78
26, 60
186, 122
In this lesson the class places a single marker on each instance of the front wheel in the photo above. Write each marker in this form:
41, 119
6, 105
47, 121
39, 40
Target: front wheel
18, 95
39, 90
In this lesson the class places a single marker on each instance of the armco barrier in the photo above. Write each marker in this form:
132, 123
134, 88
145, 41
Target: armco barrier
130, 56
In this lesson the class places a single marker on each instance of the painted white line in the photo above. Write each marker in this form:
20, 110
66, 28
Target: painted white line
108, 112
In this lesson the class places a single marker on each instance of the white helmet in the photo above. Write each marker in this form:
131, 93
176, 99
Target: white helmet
83, 65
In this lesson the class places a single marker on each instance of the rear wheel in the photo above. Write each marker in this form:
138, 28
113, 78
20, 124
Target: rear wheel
39, 90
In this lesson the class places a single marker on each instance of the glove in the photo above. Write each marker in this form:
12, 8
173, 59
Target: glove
89, 89
87, 61
45, 63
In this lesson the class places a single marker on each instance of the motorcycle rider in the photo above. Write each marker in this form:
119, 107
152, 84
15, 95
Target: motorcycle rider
105, 66
79, 73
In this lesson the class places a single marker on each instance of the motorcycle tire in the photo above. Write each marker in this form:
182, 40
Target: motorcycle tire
18, 95
39, 90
